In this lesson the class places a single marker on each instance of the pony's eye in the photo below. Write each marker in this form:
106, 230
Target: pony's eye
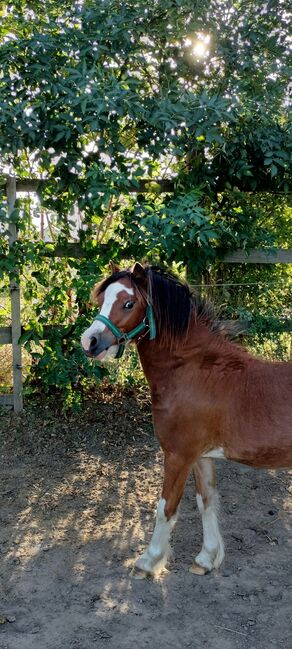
128, 305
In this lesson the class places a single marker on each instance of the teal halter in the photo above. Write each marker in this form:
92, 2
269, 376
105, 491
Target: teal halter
123, 338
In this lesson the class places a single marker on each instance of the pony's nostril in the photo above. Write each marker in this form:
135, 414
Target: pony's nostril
93, 343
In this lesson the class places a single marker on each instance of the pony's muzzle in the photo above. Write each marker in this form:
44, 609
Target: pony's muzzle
99, 343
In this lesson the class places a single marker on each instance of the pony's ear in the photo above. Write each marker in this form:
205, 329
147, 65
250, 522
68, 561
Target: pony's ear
138, 271
94, 294
113, 267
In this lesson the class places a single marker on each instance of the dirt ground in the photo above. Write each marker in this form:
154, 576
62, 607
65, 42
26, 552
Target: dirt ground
78, 496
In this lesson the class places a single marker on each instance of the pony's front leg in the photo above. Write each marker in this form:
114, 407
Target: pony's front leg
155, 556
212, 552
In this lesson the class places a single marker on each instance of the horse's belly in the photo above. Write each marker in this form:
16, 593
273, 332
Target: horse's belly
266, 457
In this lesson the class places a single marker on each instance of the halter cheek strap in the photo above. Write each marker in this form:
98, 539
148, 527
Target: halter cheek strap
124, 338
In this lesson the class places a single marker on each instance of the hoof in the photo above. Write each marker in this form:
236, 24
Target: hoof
138, 573
196, 569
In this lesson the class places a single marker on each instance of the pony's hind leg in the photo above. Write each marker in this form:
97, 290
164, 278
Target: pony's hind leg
212, 552
156, 554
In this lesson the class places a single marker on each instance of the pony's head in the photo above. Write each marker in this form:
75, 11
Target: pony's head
142, 301
122, 301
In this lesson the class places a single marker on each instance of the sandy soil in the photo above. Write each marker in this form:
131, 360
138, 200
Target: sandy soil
77, 503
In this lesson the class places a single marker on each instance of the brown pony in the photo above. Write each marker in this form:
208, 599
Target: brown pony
210, 397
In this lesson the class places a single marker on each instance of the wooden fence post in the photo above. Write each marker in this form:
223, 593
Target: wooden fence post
15, 306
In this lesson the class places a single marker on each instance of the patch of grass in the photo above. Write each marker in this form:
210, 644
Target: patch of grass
5, 368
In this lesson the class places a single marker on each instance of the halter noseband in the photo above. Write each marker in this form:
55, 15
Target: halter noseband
147, 323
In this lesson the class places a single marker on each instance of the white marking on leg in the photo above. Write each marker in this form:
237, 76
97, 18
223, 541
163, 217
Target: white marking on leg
216, 453
155, 556
212, 553
97, 327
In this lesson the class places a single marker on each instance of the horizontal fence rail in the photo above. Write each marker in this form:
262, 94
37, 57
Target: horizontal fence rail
7, 400
140, 186
255, 256
244, 327
74, 250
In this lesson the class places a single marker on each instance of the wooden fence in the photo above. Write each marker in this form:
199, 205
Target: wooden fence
11, 335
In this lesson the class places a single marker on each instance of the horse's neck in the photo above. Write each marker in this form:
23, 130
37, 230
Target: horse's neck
201, 348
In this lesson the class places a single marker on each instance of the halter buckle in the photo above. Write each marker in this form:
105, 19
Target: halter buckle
122, 340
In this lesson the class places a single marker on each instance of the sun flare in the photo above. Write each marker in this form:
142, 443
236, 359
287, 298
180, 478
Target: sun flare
199, 49
199, 45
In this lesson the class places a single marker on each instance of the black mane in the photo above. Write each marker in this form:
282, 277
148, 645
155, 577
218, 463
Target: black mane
172, 303
172, 299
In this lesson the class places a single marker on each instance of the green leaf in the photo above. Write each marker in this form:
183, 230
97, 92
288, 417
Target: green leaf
274, 170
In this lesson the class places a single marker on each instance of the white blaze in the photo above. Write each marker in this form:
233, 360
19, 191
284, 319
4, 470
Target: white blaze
97, 327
